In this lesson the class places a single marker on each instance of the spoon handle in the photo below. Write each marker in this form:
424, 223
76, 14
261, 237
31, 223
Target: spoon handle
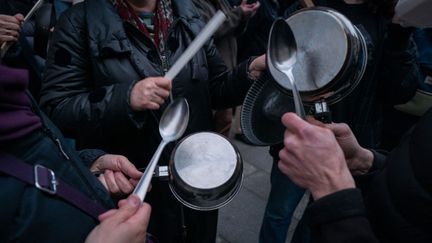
297, 99
215, 22
143, 184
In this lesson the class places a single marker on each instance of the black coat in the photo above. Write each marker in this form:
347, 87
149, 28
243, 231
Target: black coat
96, 58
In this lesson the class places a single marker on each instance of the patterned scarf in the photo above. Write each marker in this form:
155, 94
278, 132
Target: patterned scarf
162, 19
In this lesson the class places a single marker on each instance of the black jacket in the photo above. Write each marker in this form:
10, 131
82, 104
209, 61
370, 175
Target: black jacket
397, 198
96, 58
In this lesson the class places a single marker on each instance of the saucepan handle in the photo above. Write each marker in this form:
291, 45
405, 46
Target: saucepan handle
322, 112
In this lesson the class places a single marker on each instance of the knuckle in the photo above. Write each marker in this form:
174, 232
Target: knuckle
304, 131
344, 126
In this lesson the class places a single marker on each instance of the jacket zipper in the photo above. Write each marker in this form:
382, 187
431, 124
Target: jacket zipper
164, 61
164, 55
58, 142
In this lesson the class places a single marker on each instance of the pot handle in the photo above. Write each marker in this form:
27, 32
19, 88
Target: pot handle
307, 3
321, 112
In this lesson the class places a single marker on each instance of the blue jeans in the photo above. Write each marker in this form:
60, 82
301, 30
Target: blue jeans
283, 199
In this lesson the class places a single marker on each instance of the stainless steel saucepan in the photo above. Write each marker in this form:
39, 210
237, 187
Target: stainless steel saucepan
205, 171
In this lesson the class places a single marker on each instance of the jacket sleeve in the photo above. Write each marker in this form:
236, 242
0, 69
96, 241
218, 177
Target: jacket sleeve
89, 156
69, 95
228, 88
234, 23
340, 217
400, 72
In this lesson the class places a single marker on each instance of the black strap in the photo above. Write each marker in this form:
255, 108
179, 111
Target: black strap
45, 180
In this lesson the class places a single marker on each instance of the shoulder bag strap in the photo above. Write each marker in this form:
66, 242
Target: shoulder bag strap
45, 180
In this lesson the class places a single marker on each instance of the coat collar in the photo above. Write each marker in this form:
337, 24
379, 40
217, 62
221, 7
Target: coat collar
111, 35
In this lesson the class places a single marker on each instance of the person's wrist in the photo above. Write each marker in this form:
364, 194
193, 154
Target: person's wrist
364, 159
335, 182
95, 167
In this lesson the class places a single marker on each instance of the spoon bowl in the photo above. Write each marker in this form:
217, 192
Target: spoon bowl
174, 120
281, 57
172, 126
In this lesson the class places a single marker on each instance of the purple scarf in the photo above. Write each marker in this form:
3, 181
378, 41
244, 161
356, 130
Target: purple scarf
16, 117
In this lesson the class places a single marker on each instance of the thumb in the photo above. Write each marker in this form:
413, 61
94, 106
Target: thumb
163, 82
126, 210
293, 123
19, 17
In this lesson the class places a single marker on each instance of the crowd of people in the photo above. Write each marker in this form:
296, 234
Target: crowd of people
82, 90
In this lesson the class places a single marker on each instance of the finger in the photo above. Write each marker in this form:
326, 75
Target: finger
126, 210
6, 38
10, 26
153, 106
124, 185
163, 83
122, 202
8, 32
9, 19
163, 93
294, 123
110, 181
101, 178
134, 182
339, 129
19, 17
128, 168
287, 134
107, 214
284, 168
257, 5
158, 100
141, 217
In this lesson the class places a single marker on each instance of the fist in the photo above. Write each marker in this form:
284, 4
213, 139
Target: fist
249, 10
10, 26
150, 93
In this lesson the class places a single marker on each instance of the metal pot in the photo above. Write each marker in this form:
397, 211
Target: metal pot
206, 171
331, 55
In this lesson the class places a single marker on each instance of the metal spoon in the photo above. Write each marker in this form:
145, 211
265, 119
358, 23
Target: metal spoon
281, 57
214, 23
172, 125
